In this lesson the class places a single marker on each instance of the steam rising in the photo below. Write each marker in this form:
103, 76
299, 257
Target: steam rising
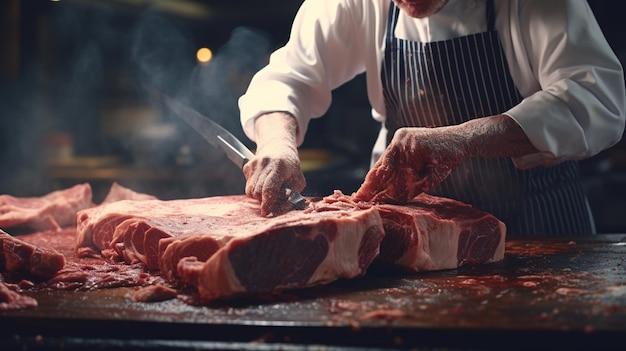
96, 58
163, 57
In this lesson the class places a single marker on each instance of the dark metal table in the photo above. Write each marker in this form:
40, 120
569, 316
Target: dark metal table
549, 293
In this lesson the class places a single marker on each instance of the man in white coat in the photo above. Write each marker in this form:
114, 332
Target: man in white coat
490, 102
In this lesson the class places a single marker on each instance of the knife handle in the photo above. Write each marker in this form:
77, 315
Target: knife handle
295, 198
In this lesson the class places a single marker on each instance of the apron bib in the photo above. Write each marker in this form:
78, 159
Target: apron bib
452, 81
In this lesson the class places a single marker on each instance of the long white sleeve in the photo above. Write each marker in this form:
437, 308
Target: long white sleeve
573, 82
321, 54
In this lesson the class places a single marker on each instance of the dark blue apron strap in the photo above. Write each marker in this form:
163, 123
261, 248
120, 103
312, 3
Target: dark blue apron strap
392, 19
491, 16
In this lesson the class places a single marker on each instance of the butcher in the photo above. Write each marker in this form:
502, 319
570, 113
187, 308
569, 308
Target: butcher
490, 102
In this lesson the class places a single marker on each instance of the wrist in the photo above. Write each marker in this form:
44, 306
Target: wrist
494, 136
273, 127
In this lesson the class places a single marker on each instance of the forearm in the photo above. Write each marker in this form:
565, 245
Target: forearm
494, 136
275, 126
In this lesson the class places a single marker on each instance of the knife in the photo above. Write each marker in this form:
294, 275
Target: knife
219, 137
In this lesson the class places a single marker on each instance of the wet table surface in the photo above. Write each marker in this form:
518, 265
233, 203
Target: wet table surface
549, 292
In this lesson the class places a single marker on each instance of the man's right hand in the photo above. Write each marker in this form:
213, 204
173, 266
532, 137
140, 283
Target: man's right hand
276, 163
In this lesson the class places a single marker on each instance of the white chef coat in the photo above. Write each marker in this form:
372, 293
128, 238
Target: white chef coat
572, 82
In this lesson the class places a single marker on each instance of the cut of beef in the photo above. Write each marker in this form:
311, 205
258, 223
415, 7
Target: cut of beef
50, 212
432, 233
20, 258
224, 247
132, 230
118, 192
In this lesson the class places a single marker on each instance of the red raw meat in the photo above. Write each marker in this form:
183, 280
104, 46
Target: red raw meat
118, 193
381, 184
224, 247
20, 258
50, 212
13, 300
433, 233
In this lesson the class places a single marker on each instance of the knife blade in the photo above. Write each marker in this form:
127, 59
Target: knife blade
218, 136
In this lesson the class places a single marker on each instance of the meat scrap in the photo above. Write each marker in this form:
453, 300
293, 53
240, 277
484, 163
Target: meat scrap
13, 300
100, 274
20, 258
234, 249
49, 212
154, 293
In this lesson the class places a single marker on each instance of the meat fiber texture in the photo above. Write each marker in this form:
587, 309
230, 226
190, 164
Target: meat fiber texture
20, 258
435, 233
224, 247
13, 300
50, 212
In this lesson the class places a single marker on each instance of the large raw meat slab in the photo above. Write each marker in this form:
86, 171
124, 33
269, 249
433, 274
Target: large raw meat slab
225, 248
433, 233
50, 212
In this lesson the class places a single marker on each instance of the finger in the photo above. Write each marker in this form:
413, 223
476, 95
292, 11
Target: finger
262, 178
270, 192
365, 193
297, 182
251, 180
390, 157
429, 177
255, 184
439, 174
248, 169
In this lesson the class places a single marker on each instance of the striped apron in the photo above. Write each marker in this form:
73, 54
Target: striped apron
451, 81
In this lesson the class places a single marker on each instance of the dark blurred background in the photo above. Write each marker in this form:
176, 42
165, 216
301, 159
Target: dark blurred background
73, 104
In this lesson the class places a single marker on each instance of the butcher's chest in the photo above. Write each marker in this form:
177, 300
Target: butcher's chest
561, 293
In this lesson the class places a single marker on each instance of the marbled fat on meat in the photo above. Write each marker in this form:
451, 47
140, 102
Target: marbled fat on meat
295, 250
433, 233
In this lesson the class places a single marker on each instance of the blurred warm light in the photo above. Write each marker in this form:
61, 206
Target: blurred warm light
204, 55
